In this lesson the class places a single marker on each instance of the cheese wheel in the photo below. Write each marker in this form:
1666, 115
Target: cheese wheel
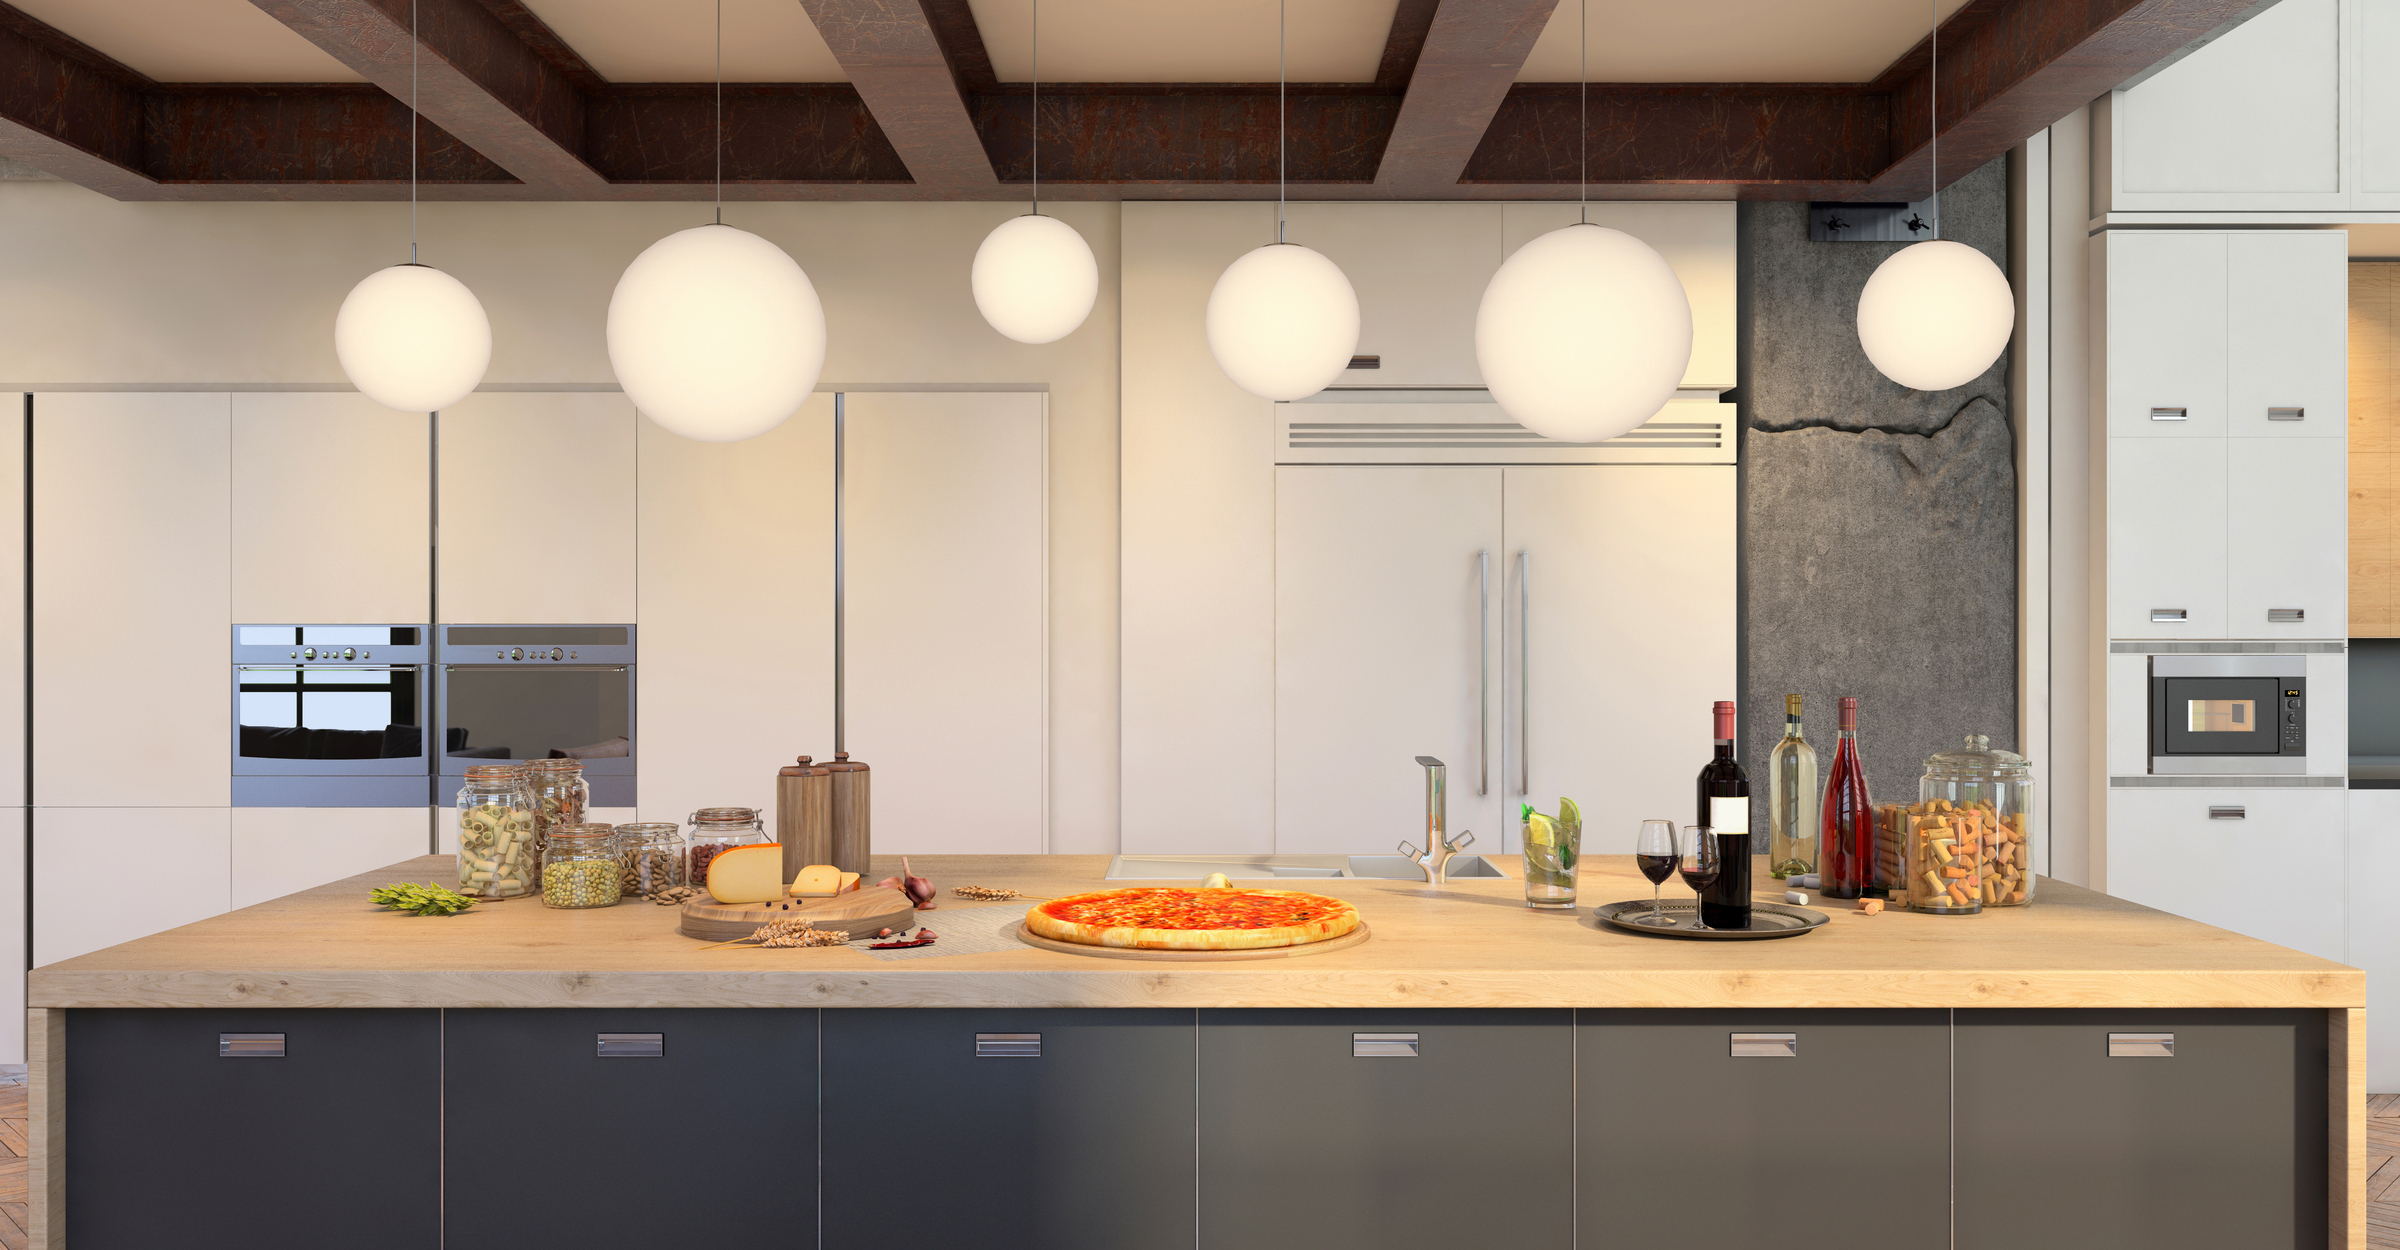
817, 881
747, 874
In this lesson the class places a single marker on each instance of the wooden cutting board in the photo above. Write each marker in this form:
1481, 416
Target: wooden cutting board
860, 913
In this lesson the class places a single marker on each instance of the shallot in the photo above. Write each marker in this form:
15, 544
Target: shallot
918, 889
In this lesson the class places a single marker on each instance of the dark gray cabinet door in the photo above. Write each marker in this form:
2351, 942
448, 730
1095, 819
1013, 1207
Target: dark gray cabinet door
1062, 1130
336, 1143
2221, 1146
711, 1141
1841, 1144
1311, 1136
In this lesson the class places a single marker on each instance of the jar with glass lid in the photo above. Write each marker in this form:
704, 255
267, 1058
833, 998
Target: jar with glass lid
649, 857
716, 830
1969, 837
498, 854
560, 794
579, 866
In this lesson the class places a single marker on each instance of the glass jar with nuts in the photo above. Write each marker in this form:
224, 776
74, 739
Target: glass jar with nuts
579, 867
649, 858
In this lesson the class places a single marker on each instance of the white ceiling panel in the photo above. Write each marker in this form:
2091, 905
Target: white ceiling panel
675, 40
1731, 40
192, 40
1184, 40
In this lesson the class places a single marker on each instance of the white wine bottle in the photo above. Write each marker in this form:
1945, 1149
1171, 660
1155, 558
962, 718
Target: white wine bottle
1792, 799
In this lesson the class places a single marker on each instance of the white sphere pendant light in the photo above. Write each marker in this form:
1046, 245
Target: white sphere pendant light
1283, 322
1583, 334
715, 333
1935, 314
413, 338
1034, 277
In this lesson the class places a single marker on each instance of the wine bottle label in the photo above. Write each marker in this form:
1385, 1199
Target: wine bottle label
1728, 815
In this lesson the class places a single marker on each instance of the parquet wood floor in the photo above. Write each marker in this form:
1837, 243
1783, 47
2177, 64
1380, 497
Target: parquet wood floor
12, 1162
2383, 1171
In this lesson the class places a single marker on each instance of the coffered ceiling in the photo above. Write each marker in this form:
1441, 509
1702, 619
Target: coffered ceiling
1141, 99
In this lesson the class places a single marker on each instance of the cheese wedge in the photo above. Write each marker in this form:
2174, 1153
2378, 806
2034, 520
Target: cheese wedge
849, 882
817, 881
747, 874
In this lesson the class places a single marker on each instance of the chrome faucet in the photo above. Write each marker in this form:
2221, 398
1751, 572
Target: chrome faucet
1435, 862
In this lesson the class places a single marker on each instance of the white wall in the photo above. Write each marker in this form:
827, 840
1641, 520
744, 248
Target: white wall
185, 296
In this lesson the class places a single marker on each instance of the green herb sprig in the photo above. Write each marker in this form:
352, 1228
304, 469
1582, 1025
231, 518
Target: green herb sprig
420, 900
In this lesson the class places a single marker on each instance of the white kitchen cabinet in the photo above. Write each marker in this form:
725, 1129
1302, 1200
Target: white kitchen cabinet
2261, 865
1621, 638
2374, 933
2374, 35
1419, 271
947, 619
12, 618
276, 851
131, 564
2287, 526
2287, 298
2249, 122
2165, 336
537, 509
332, 510
1389, 588
2167, 538
12, 934
105, 875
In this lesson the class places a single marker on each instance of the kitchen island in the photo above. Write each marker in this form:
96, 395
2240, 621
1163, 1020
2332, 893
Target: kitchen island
2083, 1071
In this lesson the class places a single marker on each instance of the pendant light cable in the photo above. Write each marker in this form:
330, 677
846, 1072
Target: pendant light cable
1037, 107
1279, 120
1933, 92
720, 142
1583, 113
413, 44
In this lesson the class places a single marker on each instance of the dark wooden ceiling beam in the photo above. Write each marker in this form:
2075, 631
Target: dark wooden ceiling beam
1472, 52
68, 110
898, 65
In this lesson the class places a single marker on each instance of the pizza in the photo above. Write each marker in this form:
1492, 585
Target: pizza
1175, 919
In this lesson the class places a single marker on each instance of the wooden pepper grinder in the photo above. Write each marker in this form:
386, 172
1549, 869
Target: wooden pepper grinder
804, 815
851, 844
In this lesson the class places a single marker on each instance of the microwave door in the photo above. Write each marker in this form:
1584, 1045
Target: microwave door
341, 720
518, 712
2222, 715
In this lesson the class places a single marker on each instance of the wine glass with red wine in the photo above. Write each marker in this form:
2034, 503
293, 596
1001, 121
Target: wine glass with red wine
1700, 863
1655, 854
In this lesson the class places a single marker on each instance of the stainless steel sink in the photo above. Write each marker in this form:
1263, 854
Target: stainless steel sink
1288, 867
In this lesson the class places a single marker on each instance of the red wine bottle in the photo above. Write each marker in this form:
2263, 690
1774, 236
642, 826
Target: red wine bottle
1847, 825
1725, 810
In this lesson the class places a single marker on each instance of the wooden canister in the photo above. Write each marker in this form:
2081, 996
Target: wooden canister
804, 815
851, 845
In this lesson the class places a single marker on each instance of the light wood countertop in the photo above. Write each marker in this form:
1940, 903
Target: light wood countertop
1469, 944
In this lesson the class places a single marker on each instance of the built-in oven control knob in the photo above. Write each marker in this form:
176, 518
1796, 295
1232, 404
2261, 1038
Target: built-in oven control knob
295, 655
499, 655
2291, 703
557, 654
309, 654
349, 653
516, 653
366, 655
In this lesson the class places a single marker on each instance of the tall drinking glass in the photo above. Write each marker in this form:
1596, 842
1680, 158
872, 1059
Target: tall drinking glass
1551, 847
1654, 852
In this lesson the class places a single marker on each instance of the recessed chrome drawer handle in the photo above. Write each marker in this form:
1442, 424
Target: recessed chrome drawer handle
2141, 1045
2286, 616
1383, 1045
2231, 812
1766, 1046
2166, 414
249, 1045
2287, 414
633, 1045
2167, 616
1008, 1045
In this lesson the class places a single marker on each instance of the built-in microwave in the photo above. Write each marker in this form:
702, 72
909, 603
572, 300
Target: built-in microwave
2232, 714
529, 692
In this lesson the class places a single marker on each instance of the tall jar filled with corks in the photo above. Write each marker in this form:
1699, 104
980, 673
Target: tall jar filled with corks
1968, 839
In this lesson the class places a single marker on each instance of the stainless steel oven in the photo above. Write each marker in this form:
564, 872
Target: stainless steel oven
2228, 714
331, 716
528, 692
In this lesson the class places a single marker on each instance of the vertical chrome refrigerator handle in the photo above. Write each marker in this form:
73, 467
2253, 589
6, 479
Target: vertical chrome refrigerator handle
1524, 676
1483, 675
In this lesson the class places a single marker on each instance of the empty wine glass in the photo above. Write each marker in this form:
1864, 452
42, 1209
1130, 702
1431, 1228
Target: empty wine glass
1700, 864
1654, 852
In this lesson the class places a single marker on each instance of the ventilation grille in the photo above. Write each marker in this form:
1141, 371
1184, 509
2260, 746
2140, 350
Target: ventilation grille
1686, 432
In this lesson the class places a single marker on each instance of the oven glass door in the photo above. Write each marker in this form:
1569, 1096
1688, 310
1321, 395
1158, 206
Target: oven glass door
337, 720
518, 712
2223, 715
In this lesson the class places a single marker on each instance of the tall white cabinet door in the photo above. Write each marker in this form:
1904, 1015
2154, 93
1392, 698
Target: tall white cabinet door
332, 510
2167, 540
2166, 334
537, 509
2186, 852
1387, 647
946, 611
1620, 637
160, 867
2287, 532
131, 562
283, 850
2287, 320
736, 612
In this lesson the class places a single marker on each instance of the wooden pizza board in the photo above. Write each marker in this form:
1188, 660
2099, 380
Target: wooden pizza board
1329, 945
860, 913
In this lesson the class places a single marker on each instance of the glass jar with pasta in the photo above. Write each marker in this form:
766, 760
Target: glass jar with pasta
498, 854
